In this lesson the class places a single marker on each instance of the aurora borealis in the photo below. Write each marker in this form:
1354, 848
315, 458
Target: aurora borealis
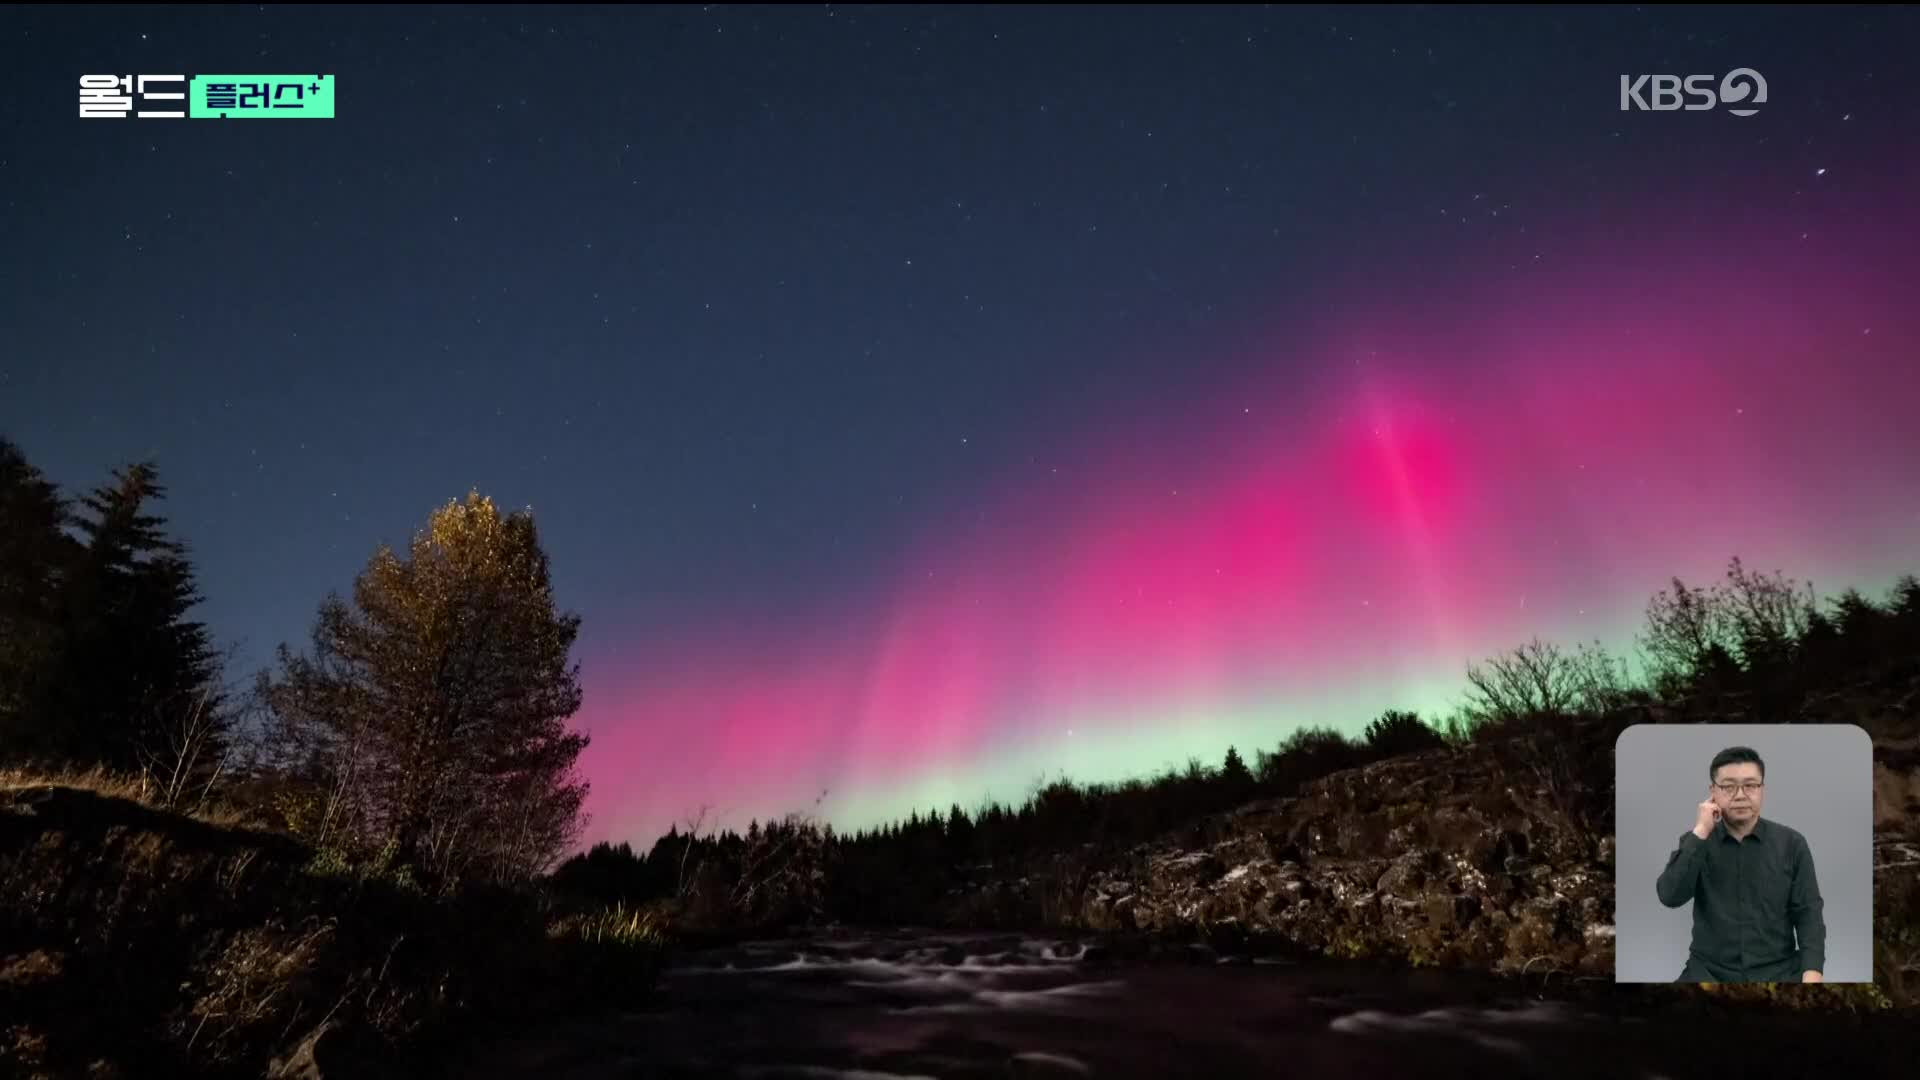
1285, 550
918, 402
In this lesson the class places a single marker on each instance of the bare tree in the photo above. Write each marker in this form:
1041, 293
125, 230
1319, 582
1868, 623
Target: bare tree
1769, 615
1541, 679
786, 863
1687, 631
694, 824
183, 756
1601, 681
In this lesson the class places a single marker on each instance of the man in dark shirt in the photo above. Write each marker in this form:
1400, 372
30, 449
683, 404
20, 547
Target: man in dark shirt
1751, 883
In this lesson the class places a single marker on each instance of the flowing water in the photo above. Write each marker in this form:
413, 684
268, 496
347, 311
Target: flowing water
881, 1006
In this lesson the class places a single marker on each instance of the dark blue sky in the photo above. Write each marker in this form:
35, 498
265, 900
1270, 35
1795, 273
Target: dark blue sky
744, 301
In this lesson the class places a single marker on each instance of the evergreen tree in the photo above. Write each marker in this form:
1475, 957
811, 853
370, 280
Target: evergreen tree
36, 555
1234, 772
960, 837
1863, 623
133, 686
1906, 598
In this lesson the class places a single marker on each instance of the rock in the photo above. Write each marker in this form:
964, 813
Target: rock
30, 970
1037, 1064
1404, 876
1465, 909
1454, 857
336, 1051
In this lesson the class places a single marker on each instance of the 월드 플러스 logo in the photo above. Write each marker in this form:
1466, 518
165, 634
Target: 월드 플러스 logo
207, 97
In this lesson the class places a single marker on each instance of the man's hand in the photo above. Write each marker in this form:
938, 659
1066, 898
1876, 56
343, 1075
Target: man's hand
1709, 817
1811, 976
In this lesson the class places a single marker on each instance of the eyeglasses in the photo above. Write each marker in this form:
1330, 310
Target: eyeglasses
1750, 787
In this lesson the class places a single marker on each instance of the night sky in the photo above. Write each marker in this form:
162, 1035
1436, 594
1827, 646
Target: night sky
915, 401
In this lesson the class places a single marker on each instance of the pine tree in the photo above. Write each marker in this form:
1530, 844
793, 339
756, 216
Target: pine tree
439, 700
36, 555
1234, 772
959, 847
1905, 600
133, 687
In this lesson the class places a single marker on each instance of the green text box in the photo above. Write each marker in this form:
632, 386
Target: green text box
261, 97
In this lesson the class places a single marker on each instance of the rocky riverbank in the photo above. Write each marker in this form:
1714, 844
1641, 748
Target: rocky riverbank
1489, 857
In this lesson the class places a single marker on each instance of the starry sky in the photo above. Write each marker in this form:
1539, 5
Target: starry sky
915, 402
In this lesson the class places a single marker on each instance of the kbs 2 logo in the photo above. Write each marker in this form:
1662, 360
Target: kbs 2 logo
1743, 87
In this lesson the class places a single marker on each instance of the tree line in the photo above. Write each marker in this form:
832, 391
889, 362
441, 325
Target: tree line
1752, 648
425, 728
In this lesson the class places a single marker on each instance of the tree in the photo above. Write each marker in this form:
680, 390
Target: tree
1769, 615
1699, 639
1820, 645
35, 556
1541, 679
960, 834
1862, 623
1307, 754
1904, 626
1906, 597
132, 668
436, 705
1234, 772
1396, 732
1688, 633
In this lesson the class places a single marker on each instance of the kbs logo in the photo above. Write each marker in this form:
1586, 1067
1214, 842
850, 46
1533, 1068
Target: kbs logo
1662, 93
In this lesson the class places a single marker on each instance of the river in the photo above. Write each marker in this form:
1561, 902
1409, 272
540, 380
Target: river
886, 1006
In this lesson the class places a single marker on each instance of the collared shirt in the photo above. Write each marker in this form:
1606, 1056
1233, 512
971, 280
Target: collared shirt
1750, 899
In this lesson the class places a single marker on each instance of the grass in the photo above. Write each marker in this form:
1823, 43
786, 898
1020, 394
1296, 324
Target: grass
191, 944
96, 780
614, 927
130, 787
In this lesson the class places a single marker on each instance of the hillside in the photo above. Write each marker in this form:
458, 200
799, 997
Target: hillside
138, 942
1475, 857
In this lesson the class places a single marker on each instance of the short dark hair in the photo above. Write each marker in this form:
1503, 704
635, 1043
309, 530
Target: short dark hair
1736, 755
